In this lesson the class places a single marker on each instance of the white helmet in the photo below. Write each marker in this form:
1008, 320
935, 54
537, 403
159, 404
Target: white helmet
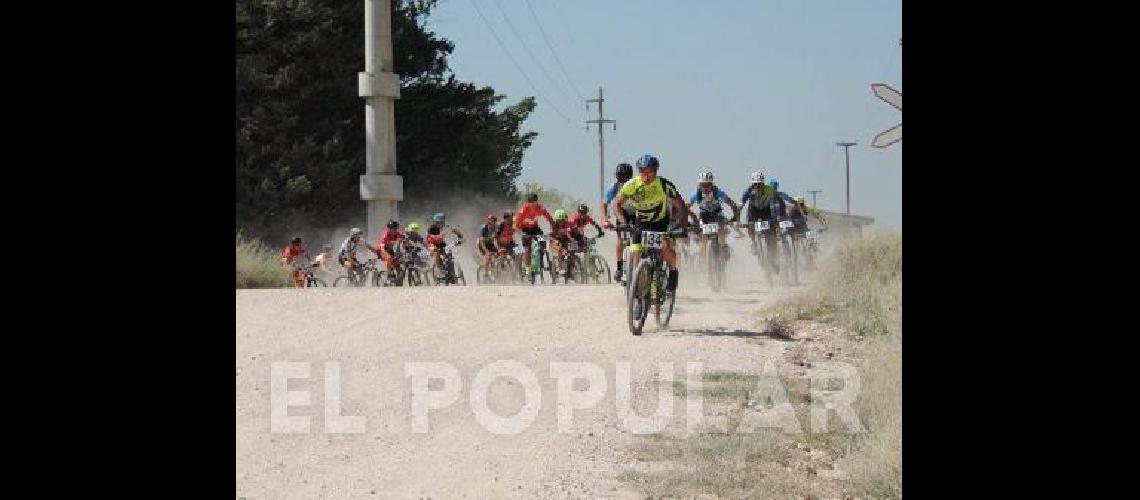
757, 177
355, 231
705, 177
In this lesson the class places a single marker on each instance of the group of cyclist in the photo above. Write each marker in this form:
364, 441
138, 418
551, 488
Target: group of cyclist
391, 243
647, 202
652, 203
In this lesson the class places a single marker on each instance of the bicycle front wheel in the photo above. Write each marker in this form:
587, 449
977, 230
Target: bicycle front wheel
637, 297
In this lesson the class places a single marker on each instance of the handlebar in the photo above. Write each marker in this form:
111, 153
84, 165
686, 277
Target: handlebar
676, 232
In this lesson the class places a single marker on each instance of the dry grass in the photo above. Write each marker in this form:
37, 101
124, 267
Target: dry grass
258, 266
857, 288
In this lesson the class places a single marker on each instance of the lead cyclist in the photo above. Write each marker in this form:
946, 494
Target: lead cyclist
658, 206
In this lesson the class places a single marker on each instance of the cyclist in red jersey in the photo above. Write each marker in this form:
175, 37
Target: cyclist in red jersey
526, 221
386, 245
291, 259
579, 220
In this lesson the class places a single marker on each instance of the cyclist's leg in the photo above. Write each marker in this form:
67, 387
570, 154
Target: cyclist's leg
669, 255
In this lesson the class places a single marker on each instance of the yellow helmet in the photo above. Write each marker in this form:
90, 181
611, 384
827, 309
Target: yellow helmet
413, 227
800, 200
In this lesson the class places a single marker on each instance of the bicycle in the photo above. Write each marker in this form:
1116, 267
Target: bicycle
311, 280
790, 255
415, 267
449, 272
359, 275
769, 236
501, 270
595, 266
811, 247
539, 262
646, 287
715, 255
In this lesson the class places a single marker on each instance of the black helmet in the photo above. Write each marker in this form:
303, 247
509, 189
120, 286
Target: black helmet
507, 215
392, 224
532, 198
297, 240
624, 172
583, 208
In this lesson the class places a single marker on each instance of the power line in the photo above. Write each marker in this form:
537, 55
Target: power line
526, 49
516, 64
553, 52
577, 47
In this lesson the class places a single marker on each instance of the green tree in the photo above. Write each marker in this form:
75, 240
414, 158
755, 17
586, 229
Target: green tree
550, 198
299, 120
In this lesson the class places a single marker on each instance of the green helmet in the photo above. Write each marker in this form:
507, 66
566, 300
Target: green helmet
560, 214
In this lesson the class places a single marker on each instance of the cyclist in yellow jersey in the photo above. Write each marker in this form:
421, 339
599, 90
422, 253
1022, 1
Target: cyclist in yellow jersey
656, 204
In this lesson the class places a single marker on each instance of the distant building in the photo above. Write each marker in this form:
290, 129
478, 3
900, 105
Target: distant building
840, 223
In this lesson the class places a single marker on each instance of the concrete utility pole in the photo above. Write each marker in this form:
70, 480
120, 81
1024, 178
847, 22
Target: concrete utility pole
847, 153
813, 192
380, 187
601, 149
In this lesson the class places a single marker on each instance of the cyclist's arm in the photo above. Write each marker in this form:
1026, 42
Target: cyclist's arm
618, 214
745, 196
735, 207
673, 196
549, 219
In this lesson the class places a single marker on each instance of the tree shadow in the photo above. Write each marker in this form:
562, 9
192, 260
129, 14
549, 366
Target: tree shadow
706, 300
723, 332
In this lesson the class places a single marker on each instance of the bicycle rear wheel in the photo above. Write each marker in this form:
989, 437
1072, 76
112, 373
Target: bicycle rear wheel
663, 311
600, 267
550, 267
712, 259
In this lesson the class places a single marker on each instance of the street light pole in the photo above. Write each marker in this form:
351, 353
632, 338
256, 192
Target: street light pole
847, 153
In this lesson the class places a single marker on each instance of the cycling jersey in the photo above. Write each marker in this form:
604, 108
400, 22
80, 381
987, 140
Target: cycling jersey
291, 252
388, 237
347, 249
580, 220
759, 197
528, 216
563, 228
487, 232
650, 201
709, 202
627, 207
505, 233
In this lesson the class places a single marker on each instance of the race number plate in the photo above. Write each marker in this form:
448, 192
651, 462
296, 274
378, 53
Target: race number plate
573, 246
762, 225
519, 250
651, 239
710, 228
786, 224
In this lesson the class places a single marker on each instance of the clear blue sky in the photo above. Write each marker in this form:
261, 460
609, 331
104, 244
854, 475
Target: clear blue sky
731, 85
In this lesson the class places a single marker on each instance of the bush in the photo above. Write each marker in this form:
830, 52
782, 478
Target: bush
258, 266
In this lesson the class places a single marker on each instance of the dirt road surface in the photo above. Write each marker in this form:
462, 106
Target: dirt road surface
371, 334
